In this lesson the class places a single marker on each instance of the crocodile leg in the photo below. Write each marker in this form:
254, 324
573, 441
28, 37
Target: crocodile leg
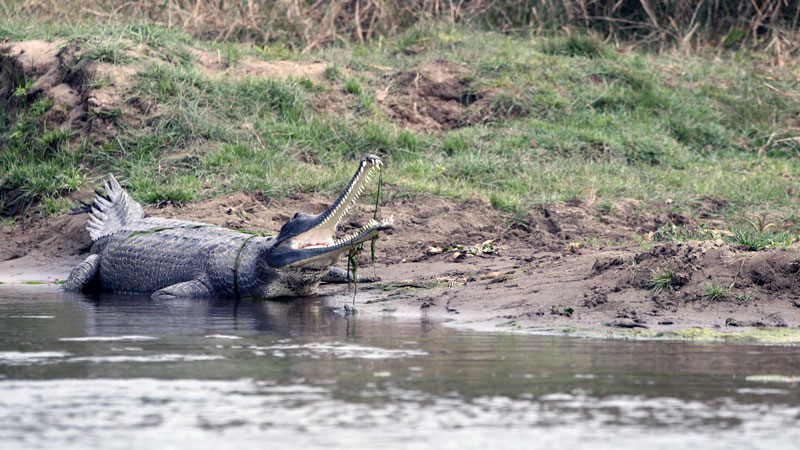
337, 275
193, 288
82, 274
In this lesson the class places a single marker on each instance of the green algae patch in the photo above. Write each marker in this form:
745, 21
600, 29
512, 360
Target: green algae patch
769, 335
410, 285
32, 283
513, 325
562, 329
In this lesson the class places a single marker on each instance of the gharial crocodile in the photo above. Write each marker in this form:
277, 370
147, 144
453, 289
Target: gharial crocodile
176, 258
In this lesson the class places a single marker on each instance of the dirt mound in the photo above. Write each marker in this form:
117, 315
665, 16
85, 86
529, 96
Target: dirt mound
33, 68
710, 205
556, 225
87, 96
707, 271
433, 97
250, 67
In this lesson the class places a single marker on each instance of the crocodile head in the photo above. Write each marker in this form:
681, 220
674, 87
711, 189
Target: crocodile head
310, 240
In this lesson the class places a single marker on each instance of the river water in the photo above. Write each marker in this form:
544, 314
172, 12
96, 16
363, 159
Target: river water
128, 372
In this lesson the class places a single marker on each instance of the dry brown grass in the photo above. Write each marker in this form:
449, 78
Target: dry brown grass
771, 25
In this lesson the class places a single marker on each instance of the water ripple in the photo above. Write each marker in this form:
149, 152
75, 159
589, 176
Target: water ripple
339, 350
232, 414
23, 358
107, 338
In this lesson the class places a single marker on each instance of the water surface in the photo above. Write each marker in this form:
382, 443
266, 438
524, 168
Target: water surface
129, 372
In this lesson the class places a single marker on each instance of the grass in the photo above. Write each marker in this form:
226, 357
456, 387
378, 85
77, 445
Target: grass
662, 280
567, 116
38, 160
754, 240
714, 291
352, 87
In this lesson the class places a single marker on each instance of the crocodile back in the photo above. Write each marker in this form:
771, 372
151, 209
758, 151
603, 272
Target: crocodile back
153, 253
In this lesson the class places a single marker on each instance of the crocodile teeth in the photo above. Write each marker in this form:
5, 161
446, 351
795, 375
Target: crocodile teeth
349, 199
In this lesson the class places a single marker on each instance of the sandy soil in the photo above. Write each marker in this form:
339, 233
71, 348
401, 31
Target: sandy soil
464, 262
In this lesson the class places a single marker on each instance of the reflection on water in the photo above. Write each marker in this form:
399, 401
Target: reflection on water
131, 372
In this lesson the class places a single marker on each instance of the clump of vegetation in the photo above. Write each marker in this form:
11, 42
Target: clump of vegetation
661, 280
177, 191
332, 73
37, 161
605, 207
114, 53
714, 291
583, 46
751, 239
566, 312
352, 86
760, 223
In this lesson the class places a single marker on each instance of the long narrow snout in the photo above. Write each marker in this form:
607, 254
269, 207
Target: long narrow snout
305, 239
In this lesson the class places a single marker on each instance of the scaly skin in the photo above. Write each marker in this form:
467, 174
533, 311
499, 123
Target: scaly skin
154, 260
176, 258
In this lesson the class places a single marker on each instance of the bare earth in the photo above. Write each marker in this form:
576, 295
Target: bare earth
464, 262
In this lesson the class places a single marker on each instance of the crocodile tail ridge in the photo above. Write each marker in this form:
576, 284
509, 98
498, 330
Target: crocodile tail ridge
112, 211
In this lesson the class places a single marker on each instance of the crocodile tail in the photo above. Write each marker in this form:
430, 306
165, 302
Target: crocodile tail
83, 209
111, 211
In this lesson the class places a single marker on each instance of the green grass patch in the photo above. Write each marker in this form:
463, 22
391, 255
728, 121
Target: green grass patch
714, 291
754, 240
766, 335
662, 280
563, 117
38, 160
114, 53
576, 46
352, 86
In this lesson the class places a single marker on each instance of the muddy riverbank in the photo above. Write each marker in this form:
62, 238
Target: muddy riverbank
565, 267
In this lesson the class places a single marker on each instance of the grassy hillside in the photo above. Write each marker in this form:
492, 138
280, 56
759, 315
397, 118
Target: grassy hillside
454, 111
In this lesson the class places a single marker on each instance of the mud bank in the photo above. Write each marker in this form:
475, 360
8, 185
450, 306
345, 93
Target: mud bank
566, 266
467, 264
